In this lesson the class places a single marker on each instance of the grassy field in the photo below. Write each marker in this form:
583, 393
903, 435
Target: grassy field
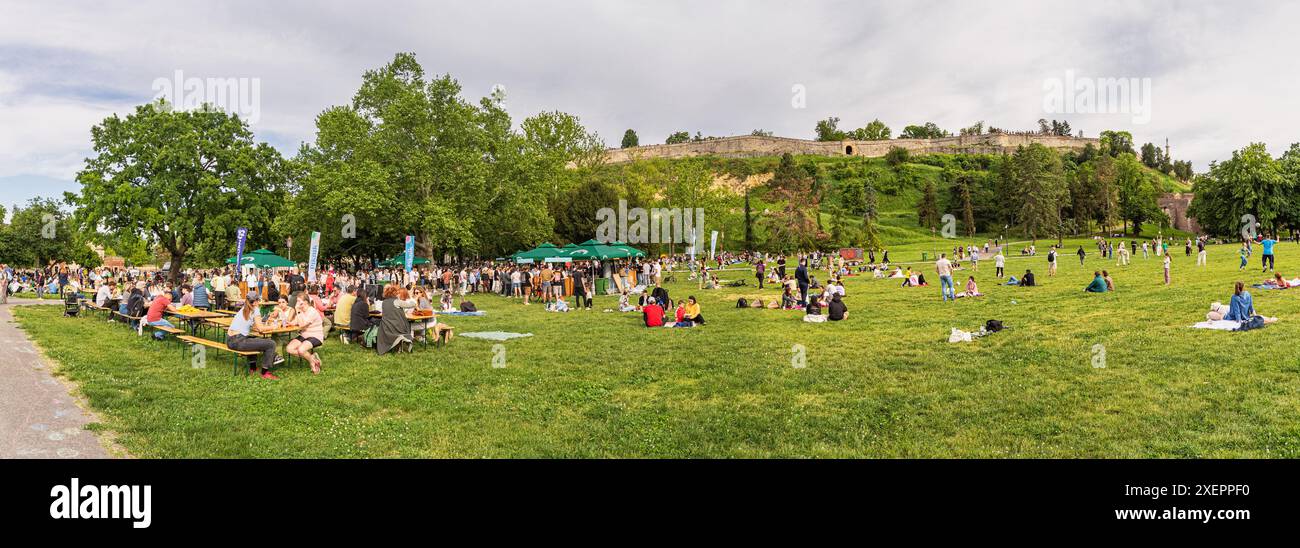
885, 383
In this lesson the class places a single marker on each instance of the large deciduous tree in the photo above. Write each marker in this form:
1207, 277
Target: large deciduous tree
183, 180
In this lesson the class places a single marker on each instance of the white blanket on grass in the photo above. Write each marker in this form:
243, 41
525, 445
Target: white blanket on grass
1221, 325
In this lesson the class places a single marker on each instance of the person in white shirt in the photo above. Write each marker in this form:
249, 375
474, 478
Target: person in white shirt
1000, 262
944, 269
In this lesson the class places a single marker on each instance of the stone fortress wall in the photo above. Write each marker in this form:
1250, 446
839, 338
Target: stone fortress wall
748, 146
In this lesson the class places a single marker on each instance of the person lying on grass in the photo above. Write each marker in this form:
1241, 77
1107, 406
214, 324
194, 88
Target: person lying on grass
1098, 284
238, 337
311, 336
1277, 282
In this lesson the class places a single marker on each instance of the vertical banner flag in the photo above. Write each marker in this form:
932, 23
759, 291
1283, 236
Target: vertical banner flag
691, 248
241, 236
311, 259
410, 252
713, 245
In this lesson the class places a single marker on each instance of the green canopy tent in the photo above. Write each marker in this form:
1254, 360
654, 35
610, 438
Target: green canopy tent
592, 250
263, 258
546, 252
632, 251
400, 260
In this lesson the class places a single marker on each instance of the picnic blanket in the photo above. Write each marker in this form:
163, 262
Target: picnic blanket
459, 313
1221, 325
495, 335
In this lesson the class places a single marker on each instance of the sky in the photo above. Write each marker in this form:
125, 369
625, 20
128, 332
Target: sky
1220, 75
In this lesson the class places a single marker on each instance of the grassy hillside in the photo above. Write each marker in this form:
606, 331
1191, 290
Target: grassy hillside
898, 189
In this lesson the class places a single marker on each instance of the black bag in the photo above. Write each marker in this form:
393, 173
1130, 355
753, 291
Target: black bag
993, 326
742, 303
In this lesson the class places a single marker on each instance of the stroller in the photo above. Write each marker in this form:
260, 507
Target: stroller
71, 303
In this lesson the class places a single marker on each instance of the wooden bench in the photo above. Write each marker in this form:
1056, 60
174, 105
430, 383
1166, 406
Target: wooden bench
88, 305
127, 319
235, 354
174, 332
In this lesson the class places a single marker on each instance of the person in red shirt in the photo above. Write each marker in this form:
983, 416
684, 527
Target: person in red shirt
653, 314
161, 302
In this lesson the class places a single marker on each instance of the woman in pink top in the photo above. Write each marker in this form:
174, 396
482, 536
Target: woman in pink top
311, 336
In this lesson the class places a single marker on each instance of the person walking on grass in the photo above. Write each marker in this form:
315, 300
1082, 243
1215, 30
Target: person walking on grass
1051, 262
944, 269
999, 262
1245, 256
1200, 252
1167, 269
1082, 254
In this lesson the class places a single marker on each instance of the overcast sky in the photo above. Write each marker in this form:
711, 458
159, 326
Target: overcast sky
1222, 74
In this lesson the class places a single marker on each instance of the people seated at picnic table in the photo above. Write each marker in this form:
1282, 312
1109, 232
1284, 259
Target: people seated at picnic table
359, 320
238, 337
282, 314
199, 296
105, 293
186, 295
311, 335
394, 327
233, 295
343, 311
1098, 284
162, 302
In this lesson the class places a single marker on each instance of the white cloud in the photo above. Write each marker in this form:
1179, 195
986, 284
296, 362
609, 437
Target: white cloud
1223, 74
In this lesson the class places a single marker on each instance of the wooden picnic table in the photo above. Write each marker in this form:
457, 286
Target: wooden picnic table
275, 334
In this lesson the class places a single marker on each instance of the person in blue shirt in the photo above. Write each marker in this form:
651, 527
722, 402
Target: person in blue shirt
1267, 258
1241, 307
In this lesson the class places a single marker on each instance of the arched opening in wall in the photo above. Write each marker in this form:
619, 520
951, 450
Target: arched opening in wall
848, 150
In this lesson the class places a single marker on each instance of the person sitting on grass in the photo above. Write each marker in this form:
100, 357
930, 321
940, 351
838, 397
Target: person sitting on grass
814, 311
1110, 284
692, 311
1027, 280
560, 305
623, 304
1098, 284
238, 337
653, 315
310, 337
972, 290
837, 310
1242, 306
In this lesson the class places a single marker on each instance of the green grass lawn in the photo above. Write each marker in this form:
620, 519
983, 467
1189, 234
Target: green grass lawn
885, 383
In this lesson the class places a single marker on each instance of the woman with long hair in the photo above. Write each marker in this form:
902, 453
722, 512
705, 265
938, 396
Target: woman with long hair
238, 337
